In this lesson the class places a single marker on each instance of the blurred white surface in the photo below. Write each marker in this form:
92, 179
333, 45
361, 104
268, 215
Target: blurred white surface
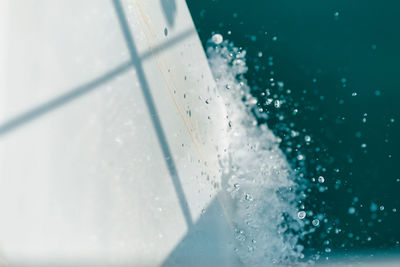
107, 155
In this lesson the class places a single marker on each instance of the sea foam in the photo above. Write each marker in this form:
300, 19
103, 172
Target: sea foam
256, 174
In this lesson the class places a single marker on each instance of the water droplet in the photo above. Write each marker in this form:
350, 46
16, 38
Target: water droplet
301, 215
248, 197
217, 38
363, 145
351, 210
373, 207
240, 235
336, 14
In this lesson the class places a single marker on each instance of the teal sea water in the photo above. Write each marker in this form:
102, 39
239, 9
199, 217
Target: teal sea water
333, 67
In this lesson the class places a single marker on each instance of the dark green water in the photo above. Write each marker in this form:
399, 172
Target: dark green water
341, 61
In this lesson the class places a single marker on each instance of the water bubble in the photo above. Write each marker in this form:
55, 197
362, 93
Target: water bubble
307, 138
260, 54
165, 31
217, 38
354, 94
321, 179
228, 86
301, 214
277, 103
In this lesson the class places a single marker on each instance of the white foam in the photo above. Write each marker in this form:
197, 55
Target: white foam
256, 173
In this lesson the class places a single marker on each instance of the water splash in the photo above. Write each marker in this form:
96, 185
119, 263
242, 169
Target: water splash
256, 174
